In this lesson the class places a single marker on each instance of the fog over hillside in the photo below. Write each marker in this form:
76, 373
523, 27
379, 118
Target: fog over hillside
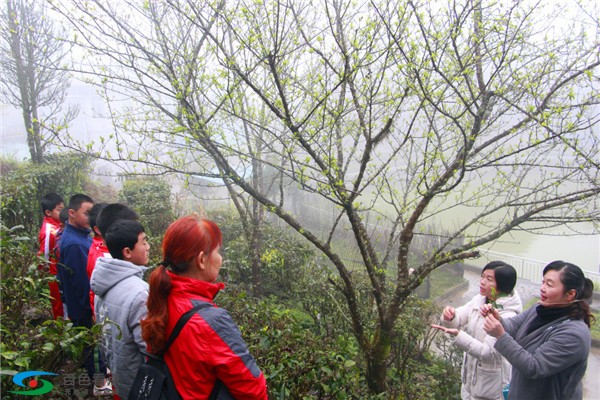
93, 122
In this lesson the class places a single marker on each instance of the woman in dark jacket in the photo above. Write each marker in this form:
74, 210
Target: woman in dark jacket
548, 345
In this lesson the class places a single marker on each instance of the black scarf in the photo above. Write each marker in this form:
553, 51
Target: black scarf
546, 315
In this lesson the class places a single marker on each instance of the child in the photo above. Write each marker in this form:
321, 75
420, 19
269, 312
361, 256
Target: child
98, 248
74, 246
121, 296
52, 204
100, 220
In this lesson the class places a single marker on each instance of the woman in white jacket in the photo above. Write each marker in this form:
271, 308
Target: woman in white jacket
484, 371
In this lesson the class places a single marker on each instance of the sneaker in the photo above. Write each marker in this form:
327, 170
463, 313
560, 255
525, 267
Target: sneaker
103, 389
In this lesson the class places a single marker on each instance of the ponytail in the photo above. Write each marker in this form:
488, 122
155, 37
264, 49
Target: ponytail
154, 326
583, 306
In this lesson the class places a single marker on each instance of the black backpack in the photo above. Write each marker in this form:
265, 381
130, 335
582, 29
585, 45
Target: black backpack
153, 380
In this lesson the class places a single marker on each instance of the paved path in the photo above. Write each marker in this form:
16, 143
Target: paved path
528, 291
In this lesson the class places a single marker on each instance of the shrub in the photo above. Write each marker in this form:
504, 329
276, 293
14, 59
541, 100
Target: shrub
23, 185
298, 363
150, 197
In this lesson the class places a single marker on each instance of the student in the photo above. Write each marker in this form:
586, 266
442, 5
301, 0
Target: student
484, 372
112, 213
98, 248
121, 296
63, 216
75, 244
210, 350
100, 221
548, 345
52, 204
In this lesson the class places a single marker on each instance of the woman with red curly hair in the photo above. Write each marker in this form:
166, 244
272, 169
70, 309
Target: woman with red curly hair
209, 352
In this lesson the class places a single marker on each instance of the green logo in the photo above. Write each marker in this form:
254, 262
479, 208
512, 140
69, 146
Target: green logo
33, 384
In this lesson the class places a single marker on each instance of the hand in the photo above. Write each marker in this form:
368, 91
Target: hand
489, 309
492, 326
450, 331
449, 313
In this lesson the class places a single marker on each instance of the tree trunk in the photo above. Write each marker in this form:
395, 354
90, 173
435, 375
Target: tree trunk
377, 366
38, 155
255, 250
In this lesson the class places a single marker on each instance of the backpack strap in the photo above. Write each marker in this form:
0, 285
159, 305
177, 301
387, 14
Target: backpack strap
181, 323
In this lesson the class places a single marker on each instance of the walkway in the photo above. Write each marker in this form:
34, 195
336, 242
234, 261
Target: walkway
528, 291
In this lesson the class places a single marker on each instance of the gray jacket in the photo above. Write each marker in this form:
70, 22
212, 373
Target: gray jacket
120, 304
550, 362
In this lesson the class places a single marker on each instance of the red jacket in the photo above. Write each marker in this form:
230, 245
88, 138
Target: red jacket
210, 346
97, 249
47, 240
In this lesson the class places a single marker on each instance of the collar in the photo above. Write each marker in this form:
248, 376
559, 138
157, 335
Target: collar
51, 221
188, 287
82, 231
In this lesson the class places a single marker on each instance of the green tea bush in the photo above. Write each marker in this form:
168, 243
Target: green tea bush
416, 373
298, 363
30, 338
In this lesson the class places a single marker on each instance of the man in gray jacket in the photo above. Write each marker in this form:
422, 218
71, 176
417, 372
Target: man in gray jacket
120, 303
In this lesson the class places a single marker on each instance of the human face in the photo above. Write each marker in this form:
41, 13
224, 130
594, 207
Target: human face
80, 218
552, 292
140, 254
212, 265
487, 281
55, 213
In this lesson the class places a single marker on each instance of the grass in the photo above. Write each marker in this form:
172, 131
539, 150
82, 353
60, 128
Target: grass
442, 280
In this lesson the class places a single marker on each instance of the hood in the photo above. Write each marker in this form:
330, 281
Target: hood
511, 303
109, 271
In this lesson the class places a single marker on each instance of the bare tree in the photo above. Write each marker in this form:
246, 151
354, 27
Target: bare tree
34, 78
415, 111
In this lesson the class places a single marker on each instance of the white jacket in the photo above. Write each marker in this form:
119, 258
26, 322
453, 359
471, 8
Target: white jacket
484, 371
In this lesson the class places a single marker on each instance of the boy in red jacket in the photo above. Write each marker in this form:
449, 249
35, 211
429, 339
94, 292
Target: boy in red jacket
51, 204
98, 248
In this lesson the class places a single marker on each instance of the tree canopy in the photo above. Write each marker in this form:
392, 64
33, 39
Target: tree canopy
34, 77
395, 117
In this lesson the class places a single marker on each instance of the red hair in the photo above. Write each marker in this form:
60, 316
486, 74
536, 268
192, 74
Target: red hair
182, 243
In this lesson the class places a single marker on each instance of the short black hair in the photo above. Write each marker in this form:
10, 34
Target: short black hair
505, 275
111, 213
93, 214
78, 199
50, 201
121, 234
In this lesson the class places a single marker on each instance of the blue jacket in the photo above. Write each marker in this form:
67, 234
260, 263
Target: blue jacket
74, 247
